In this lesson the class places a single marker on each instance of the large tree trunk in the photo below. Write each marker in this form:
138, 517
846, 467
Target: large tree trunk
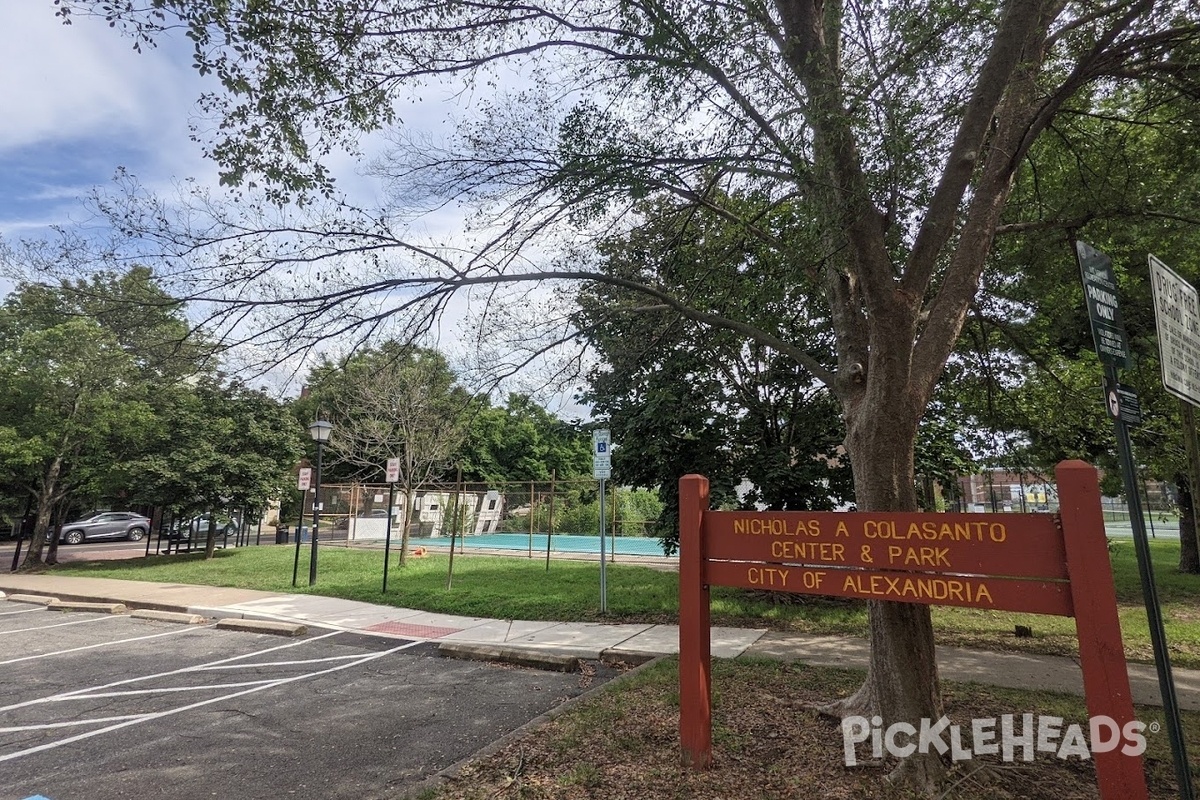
1189, 485
46, 495
210, 541
1189, 552
882, 413
58, 516
407, 517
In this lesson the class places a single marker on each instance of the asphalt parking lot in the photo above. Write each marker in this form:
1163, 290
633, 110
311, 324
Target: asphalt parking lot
100, 707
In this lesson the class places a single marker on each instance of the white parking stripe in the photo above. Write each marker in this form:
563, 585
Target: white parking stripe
22, 611
75, 723
101, 644
275, 663
63, 624
181, 670
158, 715
165, 690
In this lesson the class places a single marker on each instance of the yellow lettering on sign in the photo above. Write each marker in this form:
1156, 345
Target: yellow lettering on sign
929, 531
808, 551
775, 526
810, 527
921, 587
919, 556
813, 579
879, 529
767, 576
757, 526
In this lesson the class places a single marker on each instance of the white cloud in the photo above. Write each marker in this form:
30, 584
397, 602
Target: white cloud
79, 102
64, 82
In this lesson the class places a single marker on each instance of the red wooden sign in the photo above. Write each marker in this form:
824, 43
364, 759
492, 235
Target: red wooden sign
1037, 563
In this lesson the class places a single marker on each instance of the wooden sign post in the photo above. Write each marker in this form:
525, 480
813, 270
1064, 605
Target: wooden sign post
1036, 563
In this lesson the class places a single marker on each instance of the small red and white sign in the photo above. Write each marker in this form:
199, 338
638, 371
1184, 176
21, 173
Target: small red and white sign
393, 470
305, 479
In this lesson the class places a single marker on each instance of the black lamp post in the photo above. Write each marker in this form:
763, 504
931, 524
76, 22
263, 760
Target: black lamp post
319, 431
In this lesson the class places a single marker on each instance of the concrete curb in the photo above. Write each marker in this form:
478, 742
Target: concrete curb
549, 660
78, 605
102, 598
36, 599
212, 612
636, 657
167, 616
262, 626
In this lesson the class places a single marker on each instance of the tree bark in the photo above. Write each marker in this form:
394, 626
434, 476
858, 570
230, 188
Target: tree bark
35, 555
1189, 486
902, 679
1189, 552
408, 504
210, 541
57, 518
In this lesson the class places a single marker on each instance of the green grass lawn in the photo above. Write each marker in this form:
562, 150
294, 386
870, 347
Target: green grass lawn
520, 588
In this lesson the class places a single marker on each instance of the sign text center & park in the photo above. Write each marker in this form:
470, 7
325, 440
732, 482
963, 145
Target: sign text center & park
970, 560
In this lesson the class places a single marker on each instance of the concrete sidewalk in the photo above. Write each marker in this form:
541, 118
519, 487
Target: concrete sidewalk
588, 640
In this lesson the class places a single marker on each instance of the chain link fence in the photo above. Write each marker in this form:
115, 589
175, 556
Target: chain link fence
537, 516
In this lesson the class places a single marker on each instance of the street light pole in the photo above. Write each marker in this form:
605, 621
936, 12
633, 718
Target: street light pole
319, 431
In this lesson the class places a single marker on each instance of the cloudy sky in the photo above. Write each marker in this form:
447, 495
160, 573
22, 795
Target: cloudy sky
78, 104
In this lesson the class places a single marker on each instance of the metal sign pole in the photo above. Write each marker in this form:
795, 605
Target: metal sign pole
391, 474
603, 560
312, 559
1158, 636
601, 470
387, 540
304, 481
1100, 290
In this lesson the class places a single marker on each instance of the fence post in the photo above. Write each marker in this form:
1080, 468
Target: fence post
453, 528
612, 534
550, 524
155, 516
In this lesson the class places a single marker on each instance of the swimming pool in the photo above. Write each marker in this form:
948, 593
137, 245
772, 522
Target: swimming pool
560, 542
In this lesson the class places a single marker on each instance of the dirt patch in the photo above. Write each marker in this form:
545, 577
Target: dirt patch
623, 744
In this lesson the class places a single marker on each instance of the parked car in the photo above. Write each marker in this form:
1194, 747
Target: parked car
106, 525
198, 527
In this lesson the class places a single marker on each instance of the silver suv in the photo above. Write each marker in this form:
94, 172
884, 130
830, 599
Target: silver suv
106, 525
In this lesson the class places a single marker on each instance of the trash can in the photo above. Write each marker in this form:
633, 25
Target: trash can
281, 534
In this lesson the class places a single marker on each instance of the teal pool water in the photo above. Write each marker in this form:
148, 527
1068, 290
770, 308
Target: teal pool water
561, 542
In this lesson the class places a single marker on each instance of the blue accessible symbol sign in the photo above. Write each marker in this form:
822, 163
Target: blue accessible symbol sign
601, 461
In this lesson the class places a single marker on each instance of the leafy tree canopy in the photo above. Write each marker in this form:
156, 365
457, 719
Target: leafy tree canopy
521, 441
